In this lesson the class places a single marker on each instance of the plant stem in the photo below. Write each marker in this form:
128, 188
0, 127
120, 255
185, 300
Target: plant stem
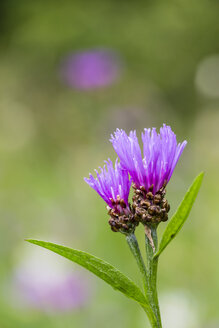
150, 310
151, 248
134, 247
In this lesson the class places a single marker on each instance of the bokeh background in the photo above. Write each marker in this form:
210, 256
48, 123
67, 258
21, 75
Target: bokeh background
71, 72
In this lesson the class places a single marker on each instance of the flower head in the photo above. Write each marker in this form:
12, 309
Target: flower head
113, 185
160, 156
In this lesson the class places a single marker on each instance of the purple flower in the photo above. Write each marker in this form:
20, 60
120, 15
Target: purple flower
160, 156
91, 69
113, 185
64, 296
42, 282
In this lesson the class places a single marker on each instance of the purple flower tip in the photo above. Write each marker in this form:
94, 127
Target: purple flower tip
112, 184
160, 155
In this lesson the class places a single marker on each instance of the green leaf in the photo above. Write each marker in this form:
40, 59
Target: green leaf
179, 218
100, 268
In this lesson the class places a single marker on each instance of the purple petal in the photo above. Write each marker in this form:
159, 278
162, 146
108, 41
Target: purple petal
111, 182
129, 152
161, 154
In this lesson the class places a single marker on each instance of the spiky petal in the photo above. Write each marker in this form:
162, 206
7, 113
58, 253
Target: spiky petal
160, 156
112, 184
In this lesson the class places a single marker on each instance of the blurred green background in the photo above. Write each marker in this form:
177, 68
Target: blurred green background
53, 134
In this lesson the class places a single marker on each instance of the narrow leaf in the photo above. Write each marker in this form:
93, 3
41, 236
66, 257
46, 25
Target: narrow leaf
179, 218
100, 268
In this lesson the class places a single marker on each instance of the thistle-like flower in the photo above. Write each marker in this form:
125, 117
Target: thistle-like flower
113, 185
150, 173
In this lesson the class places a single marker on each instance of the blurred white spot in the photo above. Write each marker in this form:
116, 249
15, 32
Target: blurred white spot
207, 76
178, 310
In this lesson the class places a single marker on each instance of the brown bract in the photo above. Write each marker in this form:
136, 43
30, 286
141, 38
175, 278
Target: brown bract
122, 222
149, 208
146, 208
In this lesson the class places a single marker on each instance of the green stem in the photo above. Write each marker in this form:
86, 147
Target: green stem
151, 244
134, 247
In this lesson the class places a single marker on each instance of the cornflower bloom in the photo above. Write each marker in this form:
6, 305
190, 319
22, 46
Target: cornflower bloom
113, 185
152, 172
